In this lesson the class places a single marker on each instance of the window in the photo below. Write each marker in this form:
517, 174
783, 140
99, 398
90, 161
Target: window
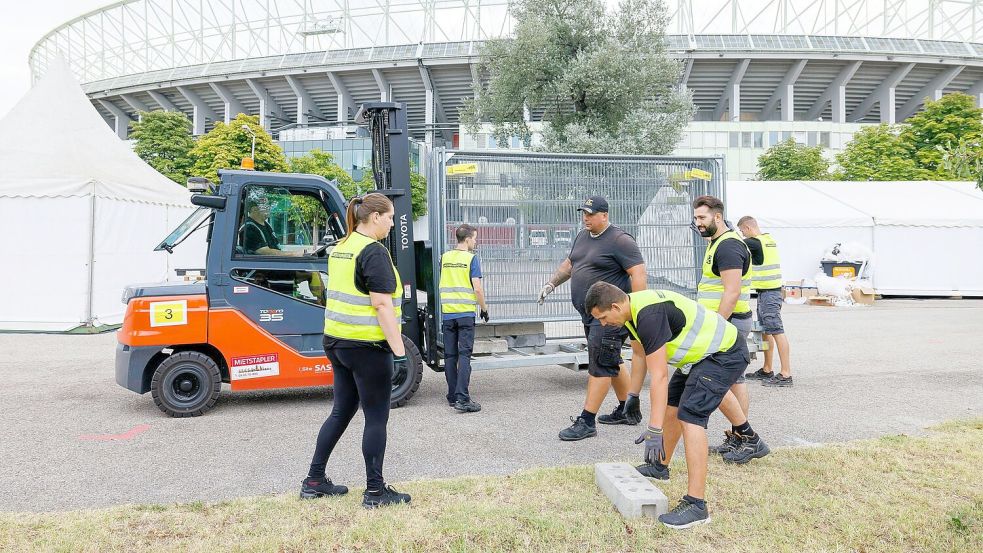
786, 135
481, 140
720, 139
747, 140
306, 286
759, 139
773, 138
735, 139
281, 221
813, 139
824, 139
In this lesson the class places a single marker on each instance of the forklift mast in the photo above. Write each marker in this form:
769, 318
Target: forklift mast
391, 171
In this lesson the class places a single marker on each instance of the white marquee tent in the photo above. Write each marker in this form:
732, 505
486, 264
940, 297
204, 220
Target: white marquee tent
921, 233
80, 213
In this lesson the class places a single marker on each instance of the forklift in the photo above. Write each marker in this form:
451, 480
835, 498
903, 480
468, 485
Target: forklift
256, 321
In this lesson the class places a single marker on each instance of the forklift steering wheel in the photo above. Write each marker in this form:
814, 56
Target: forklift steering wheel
319, 251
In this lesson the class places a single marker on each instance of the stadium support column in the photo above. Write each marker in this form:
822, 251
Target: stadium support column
731, 97
232, 106
883, 96
162, 101
201, 113
268, 108
136, 104
429, 115
121, 120
385, 91
784, 94
976, 91
306, 108
835, 94
932, 91
346, 107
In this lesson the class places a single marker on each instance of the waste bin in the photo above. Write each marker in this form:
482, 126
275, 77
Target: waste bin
841, 268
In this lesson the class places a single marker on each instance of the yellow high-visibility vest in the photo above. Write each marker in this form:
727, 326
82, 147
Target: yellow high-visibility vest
711, 288
456, 291
348, 313
768, 275
704, 334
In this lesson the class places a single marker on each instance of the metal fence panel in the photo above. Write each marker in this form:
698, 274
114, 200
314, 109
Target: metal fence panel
524, 205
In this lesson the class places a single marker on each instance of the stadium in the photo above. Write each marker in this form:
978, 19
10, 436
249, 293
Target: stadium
759, 71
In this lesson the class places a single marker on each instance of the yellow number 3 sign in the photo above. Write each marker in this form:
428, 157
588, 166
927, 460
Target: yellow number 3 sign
169, 313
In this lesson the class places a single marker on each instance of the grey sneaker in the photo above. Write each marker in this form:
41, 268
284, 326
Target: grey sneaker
616, 417
759, 374
747, 450
730, 443
467, 406
685, 515
778, 381
578, 430
659, 472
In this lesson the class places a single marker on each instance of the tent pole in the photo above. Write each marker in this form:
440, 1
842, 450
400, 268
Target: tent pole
92, 259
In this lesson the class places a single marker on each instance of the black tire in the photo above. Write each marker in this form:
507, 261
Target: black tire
406, 384
186, 384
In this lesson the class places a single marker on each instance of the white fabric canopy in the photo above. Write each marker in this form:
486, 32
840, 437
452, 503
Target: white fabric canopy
920, 232
80, 213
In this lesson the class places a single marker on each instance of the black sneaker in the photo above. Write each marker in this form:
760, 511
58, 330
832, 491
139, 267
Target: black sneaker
578, 430
467, 406
778, 381
386, 496
747, 450
633, 410
659, 472
312, 488
616, 417
685, 515
759, 374
730, 443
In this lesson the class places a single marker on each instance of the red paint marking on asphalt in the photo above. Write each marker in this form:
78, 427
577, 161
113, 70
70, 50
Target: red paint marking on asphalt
128, 435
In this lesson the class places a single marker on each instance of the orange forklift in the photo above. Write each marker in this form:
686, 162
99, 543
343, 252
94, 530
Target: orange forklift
256, 321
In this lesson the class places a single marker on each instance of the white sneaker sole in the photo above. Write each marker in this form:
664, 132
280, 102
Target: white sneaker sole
689, 525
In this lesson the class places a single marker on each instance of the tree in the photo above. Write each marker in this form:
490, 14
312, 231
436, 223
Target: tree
878, 153
789, 160
604, 81
418, 190
164, 141
964, 161
318, 162
942, 123
225, 146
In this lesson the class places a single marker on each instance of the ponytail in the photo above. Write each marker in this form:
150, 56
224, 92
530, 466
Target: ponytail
360, 208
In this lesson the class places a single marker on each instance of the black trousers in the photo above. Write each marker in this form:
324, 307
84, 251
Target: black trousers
458, 346
362, 377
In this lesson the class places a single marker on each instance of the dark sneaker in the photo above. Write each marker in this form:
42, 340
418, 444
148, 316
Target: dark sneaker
747, 450
633, 410
659, 472
730, 443
616, 417
467, 406
685, 515
386, 496
778, 381
319, 487
759, 374
578, 430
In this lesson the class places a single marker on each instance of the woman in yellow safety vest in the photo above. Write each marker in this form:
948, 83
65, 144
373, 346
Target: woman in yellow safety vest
363, 342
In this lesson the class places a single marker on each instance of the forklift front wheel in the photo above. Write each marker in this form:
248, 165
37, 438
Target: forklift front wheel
406, 383
186, 384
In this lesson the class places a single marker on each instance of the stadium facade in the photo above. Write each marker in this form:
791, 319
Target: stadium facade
760, 71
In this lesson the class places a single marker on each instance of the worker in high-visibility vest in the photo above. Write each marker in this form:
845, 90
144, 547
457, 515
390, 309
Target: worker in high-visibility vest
766, 280
461, 296
708, 355
363, 341
725, 287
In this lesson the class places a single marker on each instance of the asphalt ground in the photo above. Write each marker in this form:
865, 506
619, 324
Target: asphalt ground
896, 367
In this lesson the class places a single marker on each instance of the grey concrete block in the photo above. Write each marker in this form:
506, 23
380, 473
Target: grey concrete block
526, 340
494, 330
632, 494
490, 345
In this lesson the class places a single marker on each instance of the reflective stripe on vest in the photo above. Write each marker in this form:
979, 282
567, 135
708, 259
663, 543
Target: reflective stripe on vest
711, 287
768, 275
704, 334
456, 293
348, 313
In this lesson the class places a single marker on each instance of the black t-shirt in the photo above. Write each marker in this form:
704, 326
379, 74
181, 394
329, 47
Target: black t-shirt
659, 324
757, 252
732, 254
256, 236
605, 258
373, 273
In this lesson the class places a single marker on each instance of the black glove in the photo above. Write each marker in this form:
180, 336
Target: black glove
633, 409
655, 451
399, 363
484, 315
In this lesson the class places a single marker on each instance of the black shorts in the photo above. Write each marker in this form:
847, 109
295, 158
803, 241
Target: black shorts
699, 393
604, 345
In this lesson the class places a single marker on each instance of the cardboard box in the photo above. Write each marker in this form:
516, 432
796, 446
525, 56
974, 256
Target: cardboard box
822, 301
792, 289
863, 295
810, 292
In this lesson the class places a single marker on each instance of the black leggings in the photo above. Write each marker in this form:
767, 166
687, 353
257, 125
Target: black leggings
362, 376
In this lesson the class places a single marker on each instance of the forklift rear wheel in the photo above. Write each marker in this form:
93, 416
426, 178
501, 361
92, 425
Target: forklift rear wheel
406, 383
186, 384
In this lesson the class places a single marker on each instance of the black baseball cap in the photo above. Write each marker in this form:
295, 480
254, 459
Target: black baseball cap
594, 204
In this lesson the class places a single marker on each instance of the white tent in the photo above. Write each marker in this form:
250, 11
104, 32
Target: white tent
920, 232
80, 213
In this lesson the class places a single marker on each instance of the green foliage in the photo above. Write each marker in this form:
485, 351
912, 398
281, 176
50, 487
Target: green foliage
952, 120
604, 81
225, 146
877, 153
789, 160
963, 161
418, 190
318, 162
164, 141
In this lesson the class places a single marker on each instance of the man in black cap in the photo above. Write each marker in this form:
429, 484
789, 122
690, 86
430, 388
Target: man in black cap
601, 252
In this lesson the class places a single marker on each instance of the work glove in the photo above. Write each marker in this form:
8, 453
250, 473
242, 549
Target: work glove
633, 409
655, 451
484, 315
547, 290
400, 363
